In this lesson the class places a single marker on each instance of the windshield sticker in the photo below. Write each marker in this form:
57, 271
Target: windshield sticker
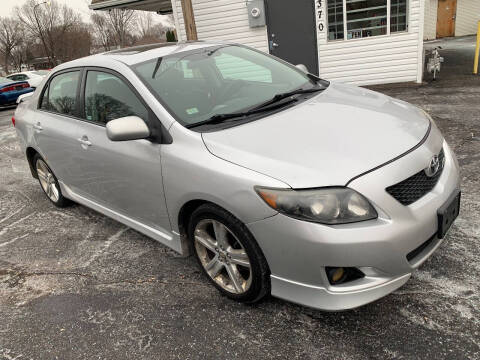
192, 111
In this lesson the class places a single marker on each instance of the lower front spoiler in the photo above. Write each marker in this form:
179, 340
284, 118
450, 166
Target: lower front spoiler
323, 299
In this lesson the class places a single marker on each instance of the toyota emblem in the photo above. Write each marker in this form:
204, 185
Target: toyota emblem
434, 166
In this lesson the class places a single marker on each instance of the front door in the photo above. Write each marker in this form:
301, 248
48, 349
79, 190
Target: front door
447, 10
292, 33
123, 176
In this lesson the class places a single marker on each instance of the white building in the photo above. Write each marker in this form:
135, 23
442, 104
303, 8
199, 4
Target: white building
354, 41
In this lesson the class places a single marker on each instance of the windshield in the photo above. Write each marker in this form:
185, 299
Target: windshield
197, 85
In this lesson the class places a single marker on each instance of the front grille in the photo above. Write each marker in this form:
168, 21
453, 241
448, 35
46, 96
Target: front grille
410, 190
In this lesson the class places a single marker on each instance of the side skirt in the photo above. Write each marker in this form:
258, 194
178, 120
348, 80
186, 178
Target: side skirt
173, 240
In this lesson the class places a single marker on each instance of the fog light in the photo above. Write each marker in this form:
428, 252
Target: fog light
335, 275
340, 275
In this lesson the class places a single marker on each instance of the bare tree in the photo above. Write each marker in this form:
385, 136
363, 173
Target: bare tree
78, 35
145, 24
11, 36
149, 31
49, 23
114, 27
121, 22
102, 30
22, 54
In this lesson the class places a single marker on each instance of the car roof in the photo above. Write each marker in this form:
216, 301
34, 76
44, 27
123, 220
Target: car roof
22, 73
138, 54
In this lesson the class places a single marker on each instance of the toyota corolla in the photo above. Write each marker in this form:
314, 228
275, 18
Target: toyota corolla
277, 181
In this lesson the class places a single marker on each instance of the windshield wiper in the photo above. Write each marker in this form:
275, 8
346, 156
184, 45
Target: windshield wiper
276, 101
284, 95
218, 118
157, 66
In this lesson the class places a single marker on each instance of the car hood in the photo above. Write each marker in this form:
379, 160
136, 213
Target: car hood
326, 140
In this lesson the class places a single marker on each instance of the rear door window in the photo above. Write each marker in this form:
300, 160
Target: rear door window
60, 96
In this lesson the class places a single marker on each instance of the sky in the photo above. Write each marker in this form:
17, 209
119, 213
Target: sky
81, 6
7, 6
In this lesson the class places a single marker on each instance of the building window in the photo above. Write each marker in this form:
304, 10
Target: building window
398, 15
335, 19
365, 18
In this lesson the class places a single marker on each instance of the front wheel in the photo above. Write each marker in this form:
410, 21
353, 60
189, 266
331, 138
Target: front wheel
228, 254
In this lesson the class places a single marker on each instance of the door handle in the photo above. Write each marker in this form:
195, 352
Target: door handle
84, 142
38, 126
272, 45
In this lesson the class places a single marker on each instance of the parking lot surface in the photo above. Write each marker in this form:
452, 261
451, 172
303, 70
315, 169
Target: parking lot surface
77, 285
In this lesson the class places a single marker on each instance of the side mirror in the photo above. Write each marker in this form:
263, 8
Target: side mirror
303, 68
127, 128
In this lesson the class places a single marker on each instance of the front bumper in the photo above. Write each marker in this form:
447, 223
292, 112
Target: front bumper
298, 251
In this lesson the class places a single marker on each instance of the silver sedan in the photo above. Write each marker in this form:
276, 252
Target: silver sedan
278, 182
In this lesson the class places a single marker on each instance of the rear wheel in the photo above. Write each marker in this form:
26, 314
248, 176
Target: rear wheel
49, 182
228, 254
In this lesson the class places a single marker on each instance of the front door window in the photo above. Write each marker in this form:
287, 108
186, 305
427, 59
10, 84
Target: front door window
107, 97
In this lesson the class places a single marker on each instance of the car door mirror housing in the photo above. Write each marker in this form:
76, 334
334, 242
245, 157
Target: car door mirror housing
302, 67
127, 128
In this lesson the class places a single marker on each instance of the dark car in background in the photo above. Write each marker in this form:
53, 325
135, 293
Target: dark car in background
10, 90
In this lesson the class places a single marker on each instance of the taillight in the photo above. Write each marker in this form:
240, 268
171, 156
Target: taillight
14, 87
13, 121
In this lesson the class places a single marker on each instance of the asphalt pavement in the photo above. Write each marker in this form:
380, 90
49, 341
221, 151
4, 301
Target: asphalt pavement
76, 285
6, 114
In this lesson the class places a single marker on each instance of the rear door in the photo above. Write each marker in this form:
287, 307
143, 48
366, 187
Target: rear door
124, 176
292, 32
56, 124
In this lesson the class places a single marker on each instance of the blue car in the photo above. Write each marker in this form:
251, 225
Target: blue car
11, 90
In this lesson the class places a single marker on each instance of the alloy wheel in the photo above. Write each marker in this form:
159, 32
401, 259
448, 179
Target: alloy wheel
223, 256
47, 180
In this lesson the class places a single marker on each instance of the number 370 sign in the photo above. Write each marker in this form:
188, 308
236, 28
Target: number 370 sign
321, 24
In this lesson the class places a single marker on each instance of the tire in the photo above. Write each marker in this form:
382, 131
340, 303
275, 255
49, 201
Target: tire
219, 238
49, 183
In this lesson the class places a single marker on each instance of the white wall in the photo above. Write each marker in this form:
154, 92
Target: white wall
430, 27
375, 60
223, 20
468, 15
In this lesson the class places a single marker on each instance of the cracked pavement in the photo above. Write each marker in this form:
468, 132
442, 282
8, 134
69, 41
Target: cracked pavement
77, 285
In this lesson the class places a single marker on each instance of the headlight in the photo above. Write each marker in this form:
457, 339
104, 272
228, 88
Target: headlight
333, 205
